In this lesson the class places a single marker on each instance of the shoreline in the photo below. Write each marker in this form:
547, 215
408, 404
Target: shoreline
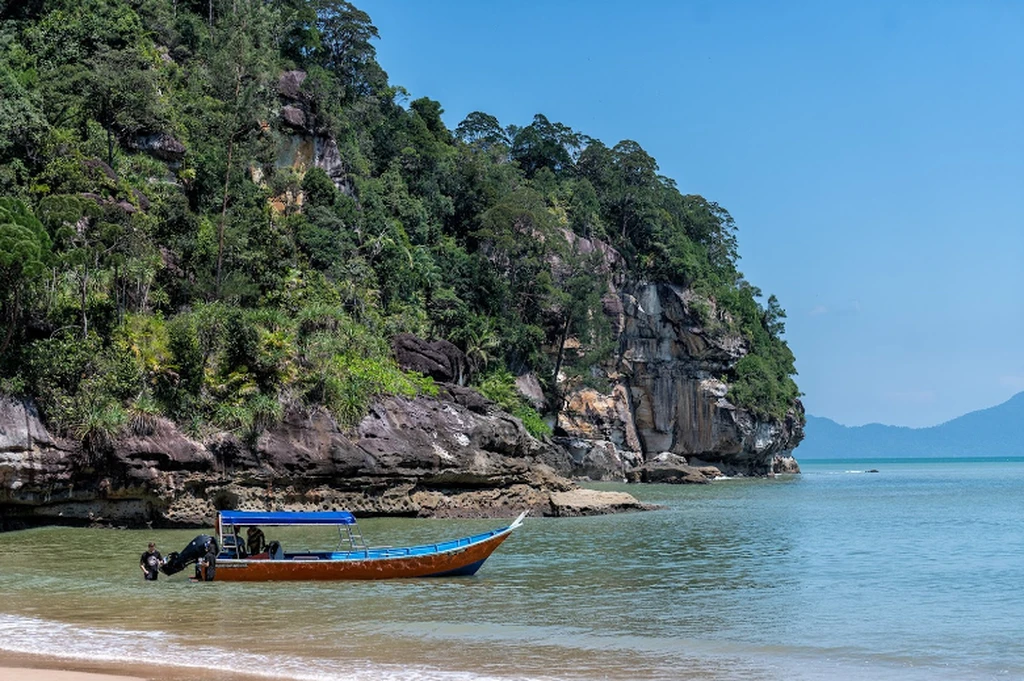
42, 667
39, 667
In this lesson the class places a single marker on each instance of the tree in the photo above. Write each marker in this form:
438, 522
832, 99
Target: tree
22, 122
773, 317
248, 69
24, 253
544, 144
711, 226
345, 33
482, 130
576, 298
430, 111
634, 194
519, 234
121, 95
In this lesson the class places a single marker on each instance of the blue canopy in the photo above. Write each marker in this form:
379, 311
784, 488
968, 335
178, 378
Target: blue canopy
287, 518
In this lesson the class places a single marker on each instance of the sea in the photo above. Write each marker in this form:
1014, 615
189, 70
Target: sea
901, 570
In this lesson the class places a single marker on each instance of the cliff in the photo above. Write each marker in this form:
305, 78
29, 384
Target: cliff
665, 419
380, 218
453, 456
667, 397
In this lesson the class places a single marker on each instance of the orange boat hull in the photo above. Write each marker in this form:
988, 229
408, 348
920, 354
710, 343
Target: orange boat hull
460, 561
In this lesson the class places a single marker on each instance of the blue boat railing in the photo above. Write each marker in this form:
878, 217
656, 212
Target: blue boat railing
358, 548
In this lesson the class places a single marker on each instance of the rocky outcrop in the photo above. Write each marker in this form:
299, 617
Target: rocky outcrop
305, 145
161, 145
444, 457
289, 85
672, 469
667, 397
438, 359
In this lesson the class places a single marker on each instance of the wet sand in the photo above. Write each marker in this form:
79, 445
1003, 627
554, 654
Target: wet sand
28, 674
21, 667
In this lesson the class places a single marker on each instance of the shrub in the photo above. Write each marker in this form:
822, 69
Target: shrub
499, 386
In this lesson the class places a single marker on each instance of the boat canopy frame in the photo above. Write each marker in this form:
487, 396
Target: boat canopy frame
348, 529
280, 518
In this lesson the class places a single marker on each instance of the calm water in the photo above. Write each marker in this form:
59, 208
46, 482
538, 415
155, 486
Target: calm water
916, 572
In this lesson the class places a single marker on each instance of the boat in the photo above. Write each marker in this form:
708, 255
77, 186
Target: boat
353, 559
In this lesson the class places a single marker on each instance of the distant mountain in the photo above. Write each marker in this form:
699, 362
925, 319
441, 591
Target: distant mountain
997, 431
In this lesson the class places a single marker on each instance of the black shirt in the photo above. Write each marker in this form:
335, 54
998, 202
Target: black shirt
210, 561
257, 542
151, 561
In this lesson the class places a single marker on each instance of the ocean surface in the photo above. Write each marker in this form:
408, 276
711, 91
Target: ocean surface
915, 572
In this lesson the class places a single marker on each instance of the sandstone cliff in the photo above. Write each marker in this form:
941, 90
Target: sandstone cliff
665, 418
668, 397
453, 456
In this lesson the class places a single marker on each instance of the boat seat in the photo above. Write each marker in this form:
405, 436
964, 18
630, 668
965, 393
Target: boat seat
229, 547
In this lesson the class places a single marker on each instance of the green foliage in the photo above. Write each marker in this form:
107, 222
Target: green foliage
25, 251
544, 144
267, 267
500, 387
759, 385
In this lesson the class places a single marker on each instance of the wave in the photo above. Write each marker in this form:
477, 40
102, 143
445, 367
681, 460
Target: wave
36, 636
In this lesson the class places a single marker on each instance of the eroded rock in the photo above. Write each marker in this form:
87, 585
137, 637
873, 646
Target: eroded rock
161, 145
438, 358
409, 456
667, 396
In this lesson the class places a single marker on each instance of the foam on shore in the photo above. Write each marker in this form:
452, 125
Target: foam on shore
35, 636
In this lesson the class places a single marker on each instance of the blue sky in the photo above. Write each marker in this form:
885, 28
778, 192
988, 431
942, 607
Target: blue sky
872, 154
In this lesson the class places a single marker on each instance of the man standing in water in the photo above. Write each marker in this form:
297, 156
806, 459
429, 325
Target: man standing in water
149, 563
206, 567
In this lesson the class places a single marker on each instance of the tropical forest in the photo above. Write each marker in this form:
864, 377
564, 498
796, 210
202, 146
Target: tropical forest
217, 211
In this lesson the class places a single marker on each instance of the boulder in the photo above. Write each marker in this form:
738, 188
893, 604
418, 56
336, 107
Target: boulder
438, 359
584, 502
598, 460
97, 168
293, 116
289, 85
159, 144
673, 469
528, 386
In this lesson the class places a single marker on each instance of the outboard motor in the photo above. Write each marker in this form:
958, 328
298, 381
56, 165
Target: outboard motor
196, 549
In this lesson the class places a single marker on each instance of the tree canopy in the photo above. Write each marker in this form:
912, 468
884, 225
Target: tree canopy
215, 210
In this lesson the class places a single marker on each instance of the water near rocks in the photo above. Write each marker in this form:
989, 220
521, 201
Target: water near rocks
914, 572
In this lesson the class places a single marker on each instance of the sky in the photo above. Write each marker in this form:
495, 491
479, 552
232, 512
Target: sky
871, 153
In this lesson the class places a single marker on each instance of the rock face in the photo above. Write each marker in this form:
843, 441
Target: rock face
438, 359
667, 397
673, 469
161, 145
304, 146
453, 456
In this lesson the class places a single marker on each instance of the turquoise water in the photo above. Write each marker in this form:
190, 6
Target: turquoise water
914, 572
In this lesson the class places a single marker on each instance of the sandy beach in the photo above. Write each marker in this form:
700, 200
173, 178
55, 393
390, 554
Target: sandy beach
20, 667
29, 674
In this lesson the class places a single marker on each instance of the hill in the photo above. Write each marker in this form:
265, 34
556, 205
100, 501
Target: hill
219, 212
997, 431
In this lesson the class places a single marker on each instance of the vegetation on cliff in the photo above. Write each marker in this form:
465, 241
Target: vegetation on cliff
167, 246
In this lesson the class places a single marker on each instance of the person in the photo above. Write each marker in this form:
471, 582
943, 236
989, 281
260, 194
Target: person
206, 567
257, 542
239, 547
149, 563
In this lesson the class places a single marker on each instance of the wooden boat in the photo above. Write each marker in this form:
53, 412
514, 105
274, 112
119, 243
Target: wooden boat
353, 560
